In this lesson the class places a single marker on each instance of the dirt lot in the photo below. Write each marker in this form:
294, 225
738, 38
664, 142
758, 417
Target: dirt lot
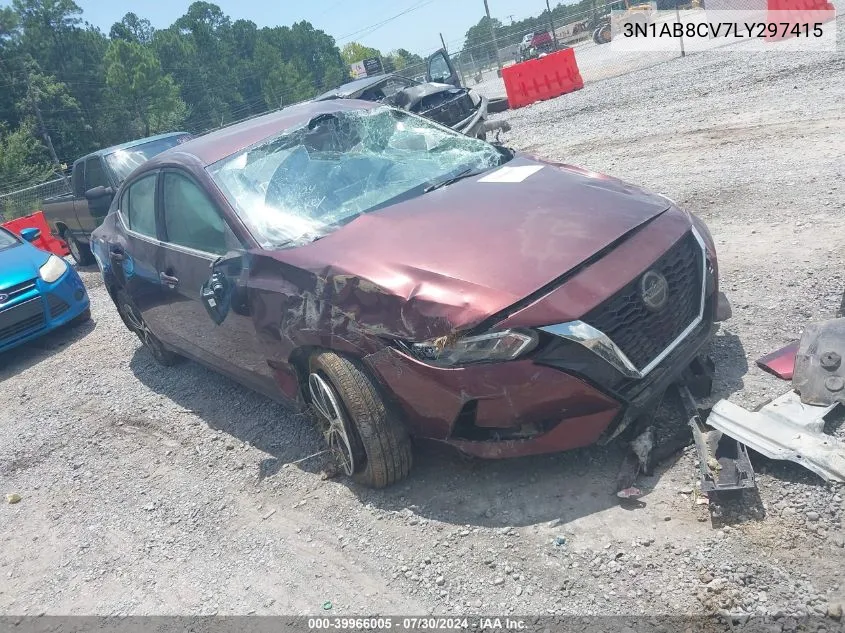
174, 491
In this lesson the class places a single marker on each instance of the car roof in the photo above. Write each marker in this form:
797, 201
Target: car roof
353, 86
129, 144
214, 146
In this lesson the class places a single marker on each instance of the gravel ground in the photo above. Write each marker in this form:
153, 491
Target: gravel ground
175, 491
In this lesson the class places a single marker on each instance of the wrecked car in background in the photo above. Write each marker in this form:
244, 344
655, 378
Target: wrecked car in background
441, 99
405, 280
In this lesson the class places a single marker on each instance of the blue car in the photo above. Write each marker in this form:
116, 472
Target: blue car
39, 292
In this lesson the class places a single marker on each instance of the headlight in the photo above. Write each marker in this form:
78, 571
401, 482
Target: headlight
54, 268
476, 98
495, 346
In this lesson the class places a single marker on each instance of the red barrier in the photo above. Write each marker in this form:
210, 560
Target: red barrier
542, 78
800, 15
45, 241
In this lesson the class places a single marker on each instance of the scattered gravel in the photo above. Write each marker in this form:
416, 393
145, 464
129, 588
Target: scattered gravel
173, 491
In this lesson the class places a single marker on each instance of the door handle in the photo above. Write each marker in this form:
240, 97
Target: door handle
116, 253
168, 280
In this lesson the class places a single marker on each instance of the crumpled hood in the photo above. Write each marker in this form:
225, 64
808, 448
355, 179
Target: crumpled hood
19, 264
470, 249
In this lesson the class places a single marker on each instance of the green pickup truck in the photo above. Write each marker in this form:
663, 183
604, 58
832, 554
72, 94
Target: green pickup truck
95, 177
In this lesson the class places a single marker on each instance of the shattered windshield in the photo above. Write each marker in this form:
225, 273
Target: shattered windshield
124, 161
311, 180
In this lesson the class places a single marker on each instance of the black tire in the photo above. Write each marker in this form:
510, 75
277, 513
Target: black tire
380, 435
133, 320
497, 104
81, 253
603, 34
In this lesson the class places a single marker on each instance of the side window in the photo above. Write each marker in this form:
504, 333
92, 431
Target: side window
439, 69
192, 220
141, 205
78, 179
94, 174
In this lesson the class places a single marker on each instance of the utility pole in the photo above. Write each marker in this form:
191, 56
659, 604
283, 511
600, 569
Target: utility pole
493, 36
551, 23
442, 41
32, 95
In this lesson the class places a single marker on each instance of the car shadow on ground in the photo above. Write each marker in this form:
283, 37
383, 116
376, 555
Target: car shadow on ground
443, 485
19, 359
285, 434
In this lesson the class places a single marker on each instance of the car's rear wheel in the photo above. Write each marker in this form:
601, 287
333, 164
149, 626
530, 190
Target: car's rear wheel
81, 253
135, 322
369, 443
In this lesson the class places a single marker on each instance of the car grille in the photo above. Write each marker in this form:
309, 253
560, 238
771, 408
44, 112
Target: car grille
57, 306
641, 334
13, 292
21, 319
449, 111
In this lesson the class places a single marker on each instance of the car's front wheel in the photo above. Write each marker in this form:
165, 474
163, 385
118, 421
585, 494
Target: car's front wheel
81, 253
135, 322
369, 444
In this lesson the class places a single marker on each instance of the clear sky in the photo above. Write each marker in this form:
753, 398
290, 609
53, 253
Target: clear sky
346, 20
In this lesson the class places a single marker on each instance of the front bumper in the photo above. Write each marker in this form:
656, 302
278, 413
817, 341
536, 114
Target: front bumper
564, 395
42, 308
474, 124
525, 407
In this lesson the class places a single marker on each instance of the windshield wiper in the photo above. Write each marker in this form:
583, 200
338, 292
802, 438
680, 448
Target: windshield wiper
464, 173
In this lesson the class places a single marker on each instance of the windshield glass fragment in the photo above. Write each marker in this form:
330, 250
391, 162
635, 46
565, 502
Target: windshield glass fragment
311, 180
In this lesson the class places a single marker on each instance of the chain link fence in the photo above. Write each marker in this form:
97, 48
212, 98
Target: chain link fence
16, 204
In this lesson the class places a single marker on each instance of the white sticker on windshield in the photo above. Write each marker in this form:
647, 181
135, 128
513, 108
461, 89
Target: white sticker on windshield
511, 174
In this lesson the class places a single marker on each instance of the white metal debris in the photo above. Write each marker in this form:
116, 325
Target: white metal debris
787, 429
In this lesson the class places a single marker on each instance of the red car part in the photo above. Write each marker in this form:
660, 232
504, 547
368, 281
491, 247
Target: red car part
780, 362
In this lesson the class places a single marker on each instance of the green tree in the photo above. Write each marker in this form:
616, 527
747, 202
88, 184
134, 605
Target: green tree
355, 52
61, 112
479, 43
131, 28
140, 88
23, 160
403, 59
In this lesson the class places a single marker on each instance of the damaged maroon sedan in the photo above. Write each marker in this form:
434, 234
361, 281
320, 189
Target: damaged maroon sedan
408, 281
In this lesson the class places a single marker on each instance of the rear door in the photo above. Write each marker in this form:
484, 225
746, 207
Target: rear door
441, 70
134, 253
91, 213
195, 234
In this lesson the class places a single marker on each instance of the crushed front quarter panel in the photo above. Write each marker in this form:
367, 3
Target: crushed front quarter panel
786, 428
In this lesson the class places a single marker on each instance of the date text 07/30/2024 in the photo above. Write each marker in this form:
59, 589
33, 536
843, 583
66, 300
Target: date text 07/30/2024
387, 623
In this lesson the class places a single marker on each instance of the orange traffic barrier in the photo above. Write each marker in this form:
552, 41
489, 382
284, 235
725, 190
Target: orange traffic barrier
45, 241
801, 16
542, 78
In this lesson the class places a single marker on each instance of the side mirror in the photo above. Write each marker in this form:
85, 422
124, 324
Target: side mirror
99, 192
30, 234
215, 295
223, 292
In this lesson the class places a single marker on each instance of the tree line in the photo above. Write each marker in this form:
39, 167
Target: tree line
67, 88
92, 89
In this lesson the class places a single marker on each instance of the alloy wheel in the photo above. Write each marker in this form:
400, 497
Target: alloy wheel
335, 428
137, 323
73, 247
